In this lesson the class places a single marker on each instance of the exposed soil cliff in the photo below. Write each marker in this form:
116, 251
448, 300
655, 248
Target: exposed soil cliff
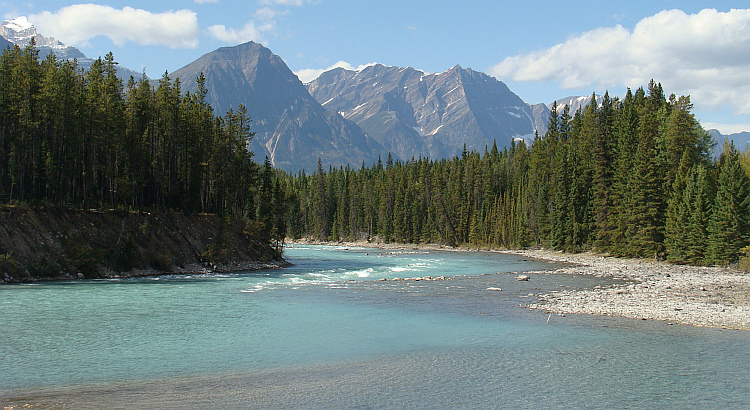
48, 244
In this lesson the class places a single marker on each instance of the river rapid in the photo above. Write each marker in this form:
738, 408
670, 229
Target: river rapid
336, 331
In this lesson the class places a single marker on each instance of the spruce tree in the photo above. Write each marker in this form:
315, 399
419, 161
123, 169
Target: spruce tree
678, 212
728, 226
644, 232
701, 186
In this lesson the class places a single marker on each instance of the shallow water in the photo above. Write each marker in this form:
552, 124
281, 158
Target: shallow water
327, 333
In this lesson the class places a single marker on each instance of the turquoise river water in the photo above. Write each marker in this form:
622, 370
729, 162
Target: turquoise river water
326, 333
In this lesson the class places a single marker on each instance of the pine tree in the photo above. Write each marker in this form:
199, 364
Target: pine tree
702, 193
602, 202
644, 222
677, 227
728, 226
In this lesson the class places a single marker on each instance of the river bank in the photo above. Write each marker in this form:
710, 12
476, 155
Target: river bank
692, 295
39, 244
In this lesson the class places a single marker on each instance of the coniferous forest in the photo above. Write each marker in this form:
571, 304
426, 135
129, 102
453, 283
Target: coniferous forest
630, 177
84, 140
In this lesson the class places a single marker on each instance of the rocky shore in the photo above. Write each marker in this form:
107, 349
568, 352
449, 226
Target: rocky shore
699, 296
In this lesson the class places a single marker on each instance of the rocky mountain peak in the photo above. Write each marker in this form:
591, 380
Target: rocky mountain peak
291, 127
20, 31
413, 114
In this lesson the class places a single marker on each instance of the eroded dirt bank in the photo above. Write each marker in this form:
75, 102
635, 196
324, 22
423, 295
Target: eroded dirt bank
52, 244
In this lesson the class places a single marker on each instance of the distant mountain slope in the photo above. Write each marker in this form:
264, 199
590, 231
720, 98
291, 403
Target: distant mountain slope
741, 140
541, 112
4, 44
20, 32
291, 127
416, 114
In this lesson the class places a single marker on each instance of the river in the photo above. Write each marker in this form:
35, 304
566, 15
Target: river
327, 333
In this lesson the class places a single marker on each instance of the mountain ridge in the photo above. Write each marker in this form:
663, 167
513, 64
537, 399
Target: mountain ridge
349, 116
412, 113
291, 127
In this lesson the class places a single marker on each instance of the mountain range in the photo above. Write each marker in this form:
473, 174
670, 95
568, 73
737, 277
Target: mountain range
291, 127
349, 117
741, 140
20, 32
414, 114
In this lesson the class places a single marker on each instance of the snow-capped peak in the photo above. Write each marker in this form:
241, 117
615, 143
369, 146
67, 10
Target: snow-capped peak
18, 24
20, 31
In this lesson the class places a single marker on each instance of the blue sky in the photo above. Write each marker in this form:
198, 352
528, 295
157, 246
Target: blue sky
542, 50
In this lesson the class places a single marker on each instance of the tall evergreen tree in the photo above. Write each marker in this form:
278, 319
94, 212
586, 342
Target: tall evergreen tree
729, 224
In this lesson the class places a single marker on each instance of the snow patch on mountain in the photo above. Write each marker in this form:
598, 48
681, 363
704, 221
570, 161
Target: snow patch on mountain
18, 24
20, 31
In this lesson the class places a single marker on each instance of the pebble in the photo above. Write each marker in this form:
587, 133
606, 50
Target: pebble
688, 300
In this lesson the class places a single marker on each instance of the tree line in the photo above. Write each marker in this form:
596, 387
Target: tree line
630, 177
84, 140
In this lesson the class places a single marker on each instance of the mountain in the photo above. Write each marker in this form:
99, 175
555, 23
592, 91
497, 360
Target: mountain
415, 114
575, 103
291, 127
741, 140
4, 44
20, 32
541, 112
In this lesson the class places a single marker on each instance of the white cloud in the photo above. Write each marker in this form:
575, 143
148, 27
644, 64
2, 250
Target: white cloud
252, 30
206, 1
79, 23
268, 14
309, 74
706, 55
249, 32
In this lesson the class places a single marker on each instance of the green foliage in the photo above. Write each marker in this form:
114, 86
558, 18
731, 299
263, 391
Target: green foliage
631, 177
729, 223
84, 258
10, 267
83, 140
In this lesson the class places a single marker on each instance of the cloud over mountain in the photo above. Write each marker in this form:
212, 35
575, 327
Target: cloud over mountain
706, 55
249, 32
308, 74
254, 29
79, 23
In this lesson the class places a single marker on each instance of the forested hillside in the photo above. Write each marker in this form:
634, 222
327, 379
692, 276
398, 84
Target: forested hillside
82, 140
631, 177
